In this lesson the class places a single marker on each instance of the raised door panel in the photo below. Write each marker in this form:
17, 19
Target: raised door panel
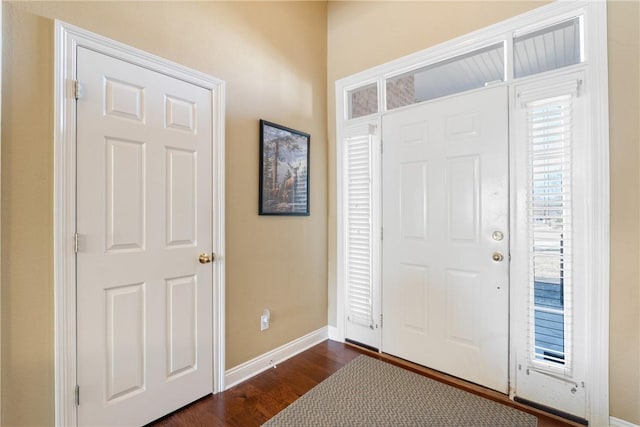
125, 195
413, 287
124, 99
181, 172
180, 114
462, 311
413, 200
182, 313
125, 338
463, 195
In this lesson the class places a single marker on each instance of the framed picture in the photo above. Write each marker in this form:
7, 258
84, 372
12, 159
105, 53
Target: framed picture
284, 170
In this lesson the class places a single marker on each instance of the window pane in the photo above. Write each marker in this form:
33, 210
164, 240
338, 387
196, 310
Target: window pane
363, 101
470, 71
547, 49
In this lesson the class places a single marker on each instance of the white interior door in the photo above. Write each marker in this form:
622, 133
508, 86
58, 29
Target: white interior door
445, 218
144, 214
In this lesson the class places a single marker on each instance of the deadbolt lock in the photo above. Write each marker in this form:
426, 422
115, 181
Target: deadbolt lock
497, 257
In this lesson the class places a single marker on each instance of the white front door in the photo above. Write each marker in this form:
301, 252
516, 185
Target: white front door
445, 242
144, 214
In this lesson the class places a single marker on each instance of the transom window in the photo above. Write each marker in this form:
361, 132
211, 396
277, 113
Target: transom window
462, 73
551, 47
548, 49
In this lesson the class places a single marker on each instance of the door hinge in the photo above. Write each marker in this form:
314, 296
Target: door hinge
381, 233
381, 320
77, 90
380, 145
77, 395
75, 243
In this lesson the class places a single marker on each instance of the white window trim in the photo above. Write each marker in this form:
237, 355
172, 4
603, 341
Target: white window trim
67, 39
595, 65
599, 217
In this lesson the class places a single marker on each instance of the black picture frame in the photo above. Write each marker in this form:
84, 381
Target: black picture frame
284, 170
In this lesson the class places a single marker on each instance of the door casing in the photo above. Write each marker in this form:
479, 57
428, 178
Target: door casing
67, 39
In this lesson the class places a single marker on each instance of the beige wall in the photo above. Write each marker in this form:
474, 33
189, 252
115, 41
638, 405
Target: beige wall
364, 34
273, 58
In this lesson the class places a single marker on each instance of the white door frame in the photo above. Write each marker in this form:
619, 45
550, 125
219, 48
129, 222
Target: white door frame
67, 39
596, 69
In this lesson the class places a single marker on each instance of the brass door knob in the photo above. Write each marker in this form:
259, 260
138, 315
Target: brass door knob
205, 258
497, 257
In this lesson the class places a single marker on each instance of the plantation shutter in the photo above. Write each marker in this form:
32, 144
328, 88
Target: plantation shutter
359, 225
550, 138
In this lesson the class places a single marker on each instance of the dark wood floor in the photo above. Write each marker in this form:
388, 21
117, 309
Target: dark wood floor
256, 400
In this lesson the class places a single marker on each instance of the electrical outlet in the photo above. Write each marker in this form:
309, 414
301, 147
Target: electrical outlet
264, 320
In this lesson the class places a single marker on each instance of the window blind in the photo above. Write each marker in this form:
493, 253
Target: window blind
359, 245
550, 241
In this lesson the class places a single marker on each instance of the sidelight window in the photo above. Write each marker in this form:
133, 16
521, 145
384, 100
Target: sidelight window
359, 234
549, 123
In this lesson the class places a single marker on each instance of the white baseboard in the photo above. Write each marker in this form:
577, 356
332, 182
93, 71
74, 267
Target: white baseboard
334, 335
271, 359
617, 422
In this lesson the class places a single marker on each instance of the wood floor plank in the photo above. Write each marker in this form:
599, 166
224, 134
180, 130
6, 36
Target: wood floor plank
258, 399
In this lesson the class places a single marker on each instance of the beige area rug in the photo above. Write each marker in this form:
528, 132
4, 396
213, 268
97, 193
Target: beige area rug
370, 392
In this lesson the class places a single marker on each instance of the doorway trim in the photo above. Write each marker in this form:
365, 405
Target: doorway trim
596, 69
67, 39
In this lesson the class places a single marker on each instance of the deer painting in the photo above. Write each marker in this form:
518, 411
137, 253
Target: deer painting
287, 191
283, 170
